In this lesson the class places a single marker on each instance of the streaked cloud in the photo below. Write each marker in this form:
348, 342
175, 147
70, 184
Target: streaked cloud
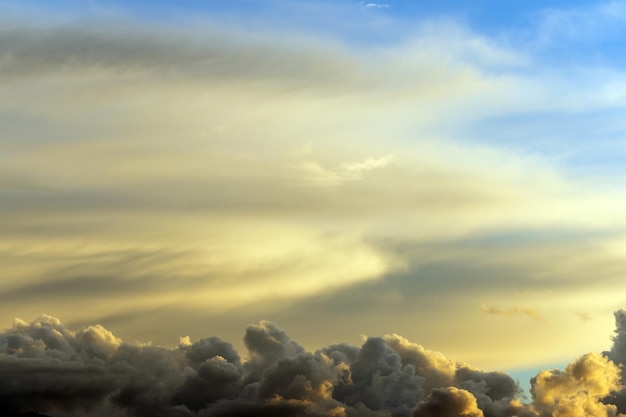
511, 311
209, 173
375, 5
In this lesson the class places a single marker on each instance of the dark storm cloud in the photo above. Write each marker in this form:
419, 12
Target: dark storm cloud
211, 347
448, 402
618, 355
48, 368
618, 350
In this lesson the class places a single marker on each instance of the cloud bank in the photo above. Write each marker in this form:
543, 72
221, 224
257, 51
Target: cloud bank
225, 168
47, 368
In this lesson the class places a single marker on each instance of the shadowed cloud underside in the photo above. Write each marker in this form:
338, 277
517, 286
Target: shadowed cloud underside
48, 368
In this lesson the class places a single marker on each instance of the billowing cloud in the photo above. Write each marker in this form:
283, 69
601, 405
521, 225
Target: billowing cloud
449, 402
618, 350
48, 368
579, 389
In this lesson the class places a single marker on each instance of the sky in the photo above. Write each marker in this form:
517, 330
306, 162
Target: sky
336, 171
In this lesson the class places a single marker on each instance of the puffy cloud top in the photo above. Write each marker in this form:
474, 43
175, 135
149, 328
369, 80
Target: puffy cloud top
449, 402
48, 368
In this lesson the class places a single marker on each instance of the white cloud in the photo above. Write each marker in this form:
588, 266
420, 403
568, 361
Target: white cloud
355, 170
187, 165
375, 5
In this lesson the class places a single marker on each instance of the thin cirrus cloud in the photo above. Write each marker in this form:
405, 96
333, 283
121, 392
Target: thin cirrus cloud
210, 173
375, 5
512, 311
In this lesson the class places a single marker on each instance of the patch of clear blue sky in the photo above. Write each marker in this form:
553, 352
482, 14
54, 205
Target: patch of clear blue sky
590, 142
524, 375
490, 16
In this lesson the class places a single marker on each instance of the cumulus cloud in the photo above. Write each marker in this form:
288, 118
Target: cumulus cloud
579, 389
449, 402
49, 368
618, 350
617, 354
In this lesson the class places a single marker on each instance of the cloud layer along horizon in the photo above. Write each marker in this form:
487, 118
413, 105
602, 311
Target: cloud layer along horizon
47, 368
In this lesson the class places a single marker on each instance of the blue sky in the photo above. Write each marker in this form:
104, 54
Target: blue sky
447, 171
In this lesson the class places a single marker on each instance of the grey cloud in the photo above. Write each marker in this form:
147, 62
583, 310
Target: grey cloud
78, 45
267, 344
108, 285
251, 409
424, 284
495, 385
43, 365
46, 367
109, 273
436, 369
213, 54
214, 379
305, 377
211, 347
433, 274
449, 402
378, 379
341, 353
618, 350
494, 391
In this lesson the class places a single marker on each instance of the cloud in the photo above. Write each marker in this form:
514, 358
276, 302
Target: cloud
579, 389
511, 311
155, 164
448, 402
350, 171
601, 20
357, 169
618, 350
375, 5
48, 368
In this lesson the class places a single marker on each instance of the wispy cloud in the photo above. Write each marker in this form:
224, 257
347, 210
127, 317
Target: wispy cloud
357, 169
583, 23
375, 5
511, 311
207, 171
